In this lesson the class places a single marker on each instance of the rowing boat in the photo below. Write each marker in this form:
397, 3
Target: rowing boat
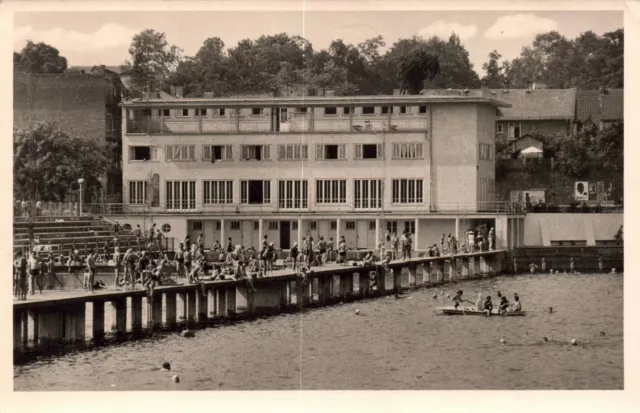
473, 311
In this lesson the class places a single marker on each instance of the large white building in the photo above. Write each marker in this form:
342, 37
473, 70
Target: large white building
295, 166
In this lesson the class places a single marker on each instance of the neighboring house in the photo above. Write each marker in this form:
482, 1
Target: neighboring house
83, 105
599, 107
527, 146
533, 111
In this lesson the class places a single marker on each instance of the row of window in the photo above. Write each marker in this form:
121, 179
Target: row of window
187, 153
392, 226
329, 110
292, 193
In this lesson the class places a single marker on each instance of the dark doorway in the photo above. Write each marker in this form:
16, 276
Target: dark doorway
285, 235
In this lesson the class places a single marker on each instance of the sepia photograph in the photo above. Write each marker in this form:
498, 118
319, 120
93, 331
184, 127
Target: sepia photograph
397, 199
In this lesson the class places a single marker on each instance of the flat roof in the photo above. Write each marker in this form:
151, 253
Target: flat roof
311, 101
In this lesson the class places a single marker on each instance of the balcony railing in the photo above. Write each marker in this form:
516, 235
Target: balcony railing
295, 124
249, 210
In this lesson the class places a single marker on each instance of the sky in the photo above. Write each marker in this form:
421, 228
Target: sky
93, 38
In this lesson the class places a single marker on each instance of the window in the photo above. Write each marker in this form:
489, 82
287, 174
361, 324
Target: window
164, 112
145, 112
127, 227
387, 110
256, 225
255, 152
407, 151
516, 133
166, 228
218, 192
143, 153
273, 225
406, 191
423, 109
330, 111
257, 111
392, 227
221, 112
292, 152
294, 225
137, 192
255, 192
368, 151
185, 112
301, 110
367, 193
500, 128
485, 152
334, 225
331, 152
196, 225
368, 110
313, 225
181, 194
201, 112
403, 110
372, 225
346, 110
217, 152
410, 227
217, 225
235, 225
350, 225
331, 191
292, 194
180, 153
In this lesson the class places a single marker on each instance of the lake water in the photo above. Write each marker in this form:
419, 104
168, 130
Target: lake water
393, 344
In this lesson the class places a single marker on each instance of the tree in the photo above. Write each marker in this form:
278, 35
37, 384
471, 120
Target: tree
47, 162
40, 58
152, 59
495, 77
417, 67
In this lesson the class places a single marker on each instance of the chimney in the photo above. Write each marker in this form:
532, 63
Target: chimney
483, 85
208, 95
179, 90
329, 93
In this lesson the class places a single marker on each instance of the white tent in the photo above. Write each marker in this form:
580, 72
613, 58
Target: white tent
531, 152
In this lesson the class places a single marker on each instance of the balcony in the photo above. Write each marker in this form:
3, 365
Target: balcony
300, 123
251, 211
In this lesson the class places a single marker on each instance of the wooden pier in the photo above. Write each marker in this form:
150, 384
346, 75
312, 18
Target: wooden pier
72, 320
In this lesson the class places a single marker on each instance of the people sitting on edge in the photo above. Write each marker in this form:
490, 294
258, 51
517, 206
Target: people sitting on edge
368, 259
487, 306
457, 300
517, 305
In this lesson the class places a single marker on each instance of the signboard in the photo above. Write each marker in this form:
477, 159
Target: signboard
533, 197
594, 191
581, 191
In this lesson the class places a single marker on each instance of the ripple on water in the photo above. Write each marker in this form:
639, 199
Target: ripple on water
390, 345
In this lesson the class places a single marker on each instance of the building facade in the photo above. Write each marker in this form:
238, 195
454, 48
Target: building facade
82, 105
322, 166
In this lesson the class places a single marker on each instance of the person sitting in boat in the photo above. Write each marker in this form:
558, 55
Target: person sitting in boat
479, 302
516, 306
504, 305
487, 306
457, 300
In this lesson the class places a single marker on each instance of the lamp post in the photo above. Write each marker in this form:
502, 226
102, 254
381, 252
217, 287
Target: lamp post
80, 182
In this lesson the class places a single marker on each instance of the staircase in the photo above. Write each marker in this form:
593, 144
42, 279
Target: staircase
85, 233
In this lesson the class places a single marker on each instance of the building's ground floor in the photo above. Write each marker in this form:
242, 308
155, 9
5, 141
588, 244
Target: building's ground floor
360, 232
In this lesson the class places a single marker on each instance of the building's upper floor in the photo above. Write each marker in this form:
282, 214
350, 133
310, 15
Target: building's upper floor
157, 114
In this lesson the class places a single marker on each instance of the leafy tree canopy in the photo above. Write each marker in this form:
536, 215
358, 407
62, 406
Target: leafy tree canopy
39, 58
46, 162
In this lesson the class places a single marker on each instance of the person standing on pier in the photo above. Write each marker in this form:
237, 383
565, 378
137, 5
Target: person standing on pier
442, 242
342, 251
293, 254
21, 276
311, 253
91, 271
200, 240
159, 237
394, 245
34, 272
322, 251
492, 239
330, 250
179, 259
138, 233
115, 228
116, 265
449, 243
